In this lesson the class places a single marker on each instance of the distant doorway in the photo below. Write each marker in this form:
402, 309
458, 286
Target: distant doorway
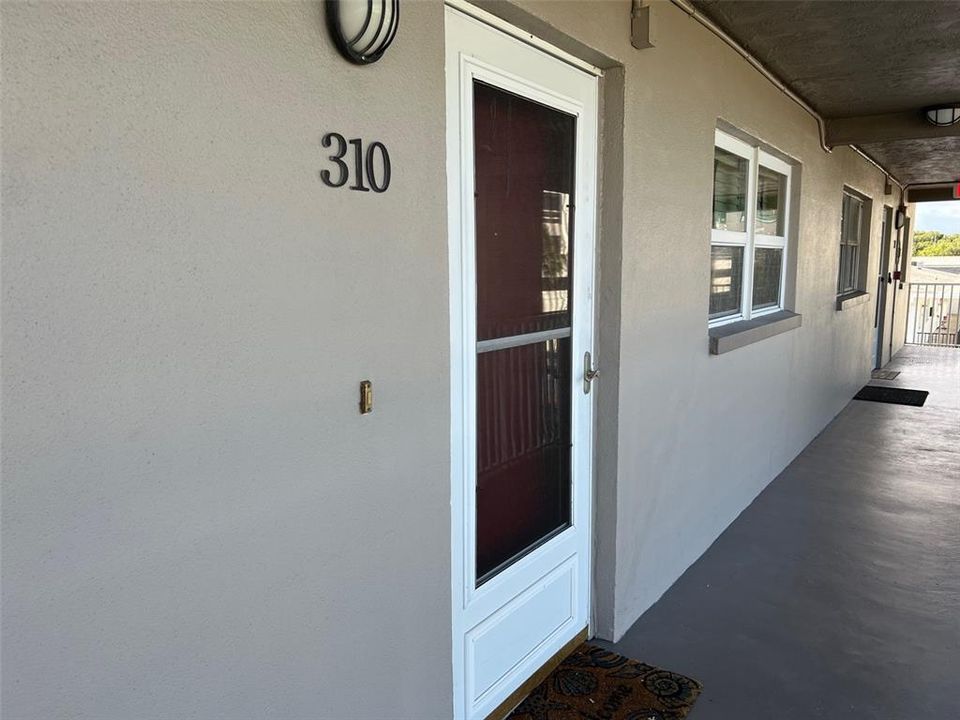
883, 280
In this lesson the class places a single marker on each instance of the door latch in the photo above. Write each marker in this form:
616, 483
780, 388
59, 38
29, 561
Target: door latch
590, 373
366, 397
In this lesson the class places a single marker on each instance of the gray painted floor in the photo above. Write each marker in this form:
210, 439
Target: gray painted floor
836, 594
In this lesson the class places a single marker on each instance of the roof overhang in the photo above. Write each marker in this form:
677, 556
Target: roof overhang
869, 69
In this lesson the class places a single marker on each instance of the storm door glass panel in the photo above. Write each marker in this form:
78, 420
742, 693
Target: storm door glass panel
524, 181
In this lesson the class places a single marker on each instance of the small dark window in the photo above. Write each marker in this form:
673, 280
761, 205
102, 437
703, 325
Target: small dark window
849, 278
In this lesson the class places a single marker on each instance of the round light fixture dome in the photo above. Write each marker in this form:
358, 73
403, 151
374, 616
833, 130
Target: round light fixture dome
943, 115
363, 29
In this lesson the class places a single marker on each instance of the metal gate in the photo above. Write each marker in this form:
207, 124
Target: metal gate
933, 314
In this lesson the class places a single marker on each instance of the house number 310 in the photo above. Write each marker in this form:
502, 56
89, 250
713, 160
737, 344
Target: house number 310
365, 165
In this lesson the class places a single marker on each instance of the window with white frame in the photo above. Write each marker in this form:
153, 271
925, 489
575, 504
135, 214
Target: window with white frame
849, 278
748, 240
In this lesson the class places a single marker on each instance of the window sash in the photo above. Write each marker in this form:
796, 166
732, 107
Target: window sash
851, 231
719, 280
770, 162
726, 237
750, 240
849, 269
772, 305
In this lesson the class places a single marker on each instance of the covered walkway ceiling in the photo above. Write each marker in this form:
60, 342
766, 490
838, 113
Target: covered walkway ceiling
869, 68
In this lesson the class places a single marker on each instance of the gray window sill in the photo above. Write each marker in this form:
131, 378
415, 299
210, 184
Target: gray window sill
852, 299
725, 338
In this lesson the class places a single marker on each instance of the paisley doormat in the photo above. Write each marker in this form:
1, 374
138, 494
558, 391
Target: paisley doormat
897, 396
596, 684
884, 374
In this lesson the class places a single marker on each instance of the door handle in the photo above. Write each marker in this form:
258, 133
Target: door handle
590, 373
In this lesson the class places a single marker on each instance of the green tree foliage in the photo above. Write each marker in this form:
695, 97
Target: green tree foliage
930, 242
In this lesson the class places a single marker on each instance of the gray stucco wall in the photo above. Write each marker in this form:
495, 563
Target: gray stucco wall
196, 521
699, 436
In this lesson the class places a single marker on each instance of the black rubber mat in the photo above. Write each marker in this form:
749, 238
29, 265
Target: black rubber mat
897, 396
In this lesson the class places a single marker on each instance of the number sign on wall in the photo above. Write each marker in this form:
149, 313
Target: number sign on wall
365, 166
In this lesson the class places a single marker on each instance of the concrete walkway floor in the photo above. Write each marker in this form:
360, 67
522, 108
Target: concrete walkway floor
836, 594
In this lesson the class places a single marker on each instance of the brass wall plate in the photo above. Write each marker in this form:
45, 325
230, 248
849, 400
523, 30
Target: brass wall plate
366, 397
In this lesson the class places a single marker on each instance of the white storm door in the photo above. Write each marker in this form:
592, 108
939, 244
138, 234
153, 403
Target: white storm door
522, 147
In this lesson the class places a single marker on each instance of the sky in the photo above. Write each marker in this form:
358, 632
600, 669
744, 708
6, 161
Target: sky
941, 216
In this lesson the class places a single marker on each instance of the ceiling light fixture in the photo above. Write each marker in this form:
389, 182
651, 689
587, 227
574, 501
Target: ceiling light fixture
943, 115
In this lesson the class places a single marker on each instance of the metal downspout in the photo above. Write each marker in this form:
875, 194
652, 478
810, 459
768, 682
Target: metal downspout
757, 65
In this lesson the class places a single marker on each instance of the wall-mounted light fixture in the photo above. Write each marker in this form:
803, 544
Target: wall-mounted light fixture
943, 115
900, 217
363, 29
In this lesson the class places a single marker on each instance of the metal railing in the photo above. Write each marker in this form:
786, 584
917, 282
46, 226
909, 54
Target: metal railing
933, 314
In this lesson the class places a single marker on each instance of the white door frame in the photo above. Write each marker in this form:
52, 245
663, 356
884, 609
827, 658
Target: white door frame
499, 638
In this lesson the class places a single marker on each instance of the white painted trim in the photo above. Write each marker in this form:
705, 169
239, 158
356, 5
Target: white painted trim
474, 69
728, 237
774, 163
750, 240
732, 144
746, 301
502, 25
725, 320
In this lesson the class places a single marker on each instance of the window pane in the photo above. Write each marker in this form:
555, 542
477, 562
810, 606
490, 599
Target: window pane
852, 216
729, 191
842, 272
844, 219
771, 202
726, 280
851, 220
766, 277
523, 449
849, 268
524, 158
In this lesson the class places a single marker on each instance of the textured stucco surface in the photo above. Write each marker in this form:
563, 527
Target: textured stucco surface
922, 160
699, 435
855, 59
196, 521
836, 593
846, 58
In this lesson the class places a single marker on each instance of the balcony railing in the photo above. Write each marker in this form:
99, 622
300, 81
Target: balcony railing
933, 314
